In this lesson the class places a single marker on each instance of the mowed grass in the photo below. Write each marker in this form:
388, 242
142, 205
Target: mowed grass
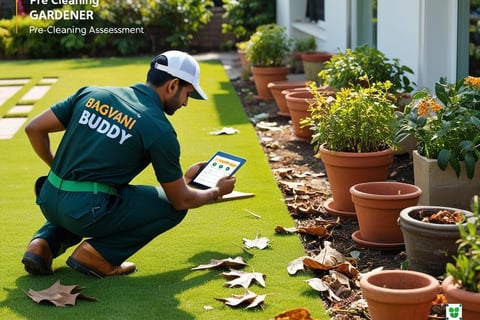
164, 287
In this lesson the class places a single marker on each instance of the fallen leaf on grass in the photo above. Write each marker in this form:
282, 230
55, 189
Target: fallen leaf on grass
295, 266
228, 262
259, 243
244, 279
59, 295
327, 259
225, 130
294, 314
250, 299
280, 229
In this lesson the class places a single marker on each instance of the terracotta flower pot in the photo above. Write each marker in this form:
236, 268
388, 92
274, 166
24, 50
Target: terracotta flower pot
378, 205
398, 294
345, 169
470, 300
264, 75
429, 246
276, 89
313, 63
297, 103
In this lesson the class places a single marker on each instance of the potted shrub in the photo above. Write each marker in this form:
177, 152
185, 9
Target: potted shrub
462, 284
430, 234
446, 126
353, 133
346, 69
300, 46
267, 51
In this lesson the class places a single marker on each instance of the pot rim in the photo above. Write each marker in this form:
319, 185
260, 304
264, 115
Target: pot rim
408, 190
407, 219
387, 293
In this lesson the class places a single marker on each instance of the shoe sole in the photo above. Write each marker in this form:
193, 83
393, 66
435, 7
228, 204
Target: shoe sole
35, 265
77, 266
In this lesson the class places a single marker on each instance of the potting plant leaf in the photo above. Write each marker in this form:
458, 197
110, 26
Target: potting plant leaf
244, 279
59, 295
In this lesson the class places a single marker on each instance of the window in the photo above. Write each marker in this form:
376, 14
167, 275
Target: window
316, 10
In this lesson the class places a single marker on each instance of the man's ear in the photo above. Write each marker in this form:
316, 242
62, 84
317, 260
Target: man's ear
172, 86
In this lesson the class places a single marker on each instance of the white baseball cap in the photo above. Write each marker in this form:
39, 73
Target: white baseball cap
185, 67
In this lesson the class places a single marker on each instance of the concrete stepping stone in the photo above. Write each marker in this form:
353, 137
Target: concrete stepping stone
50, 80
35, 93
6, 92
24, 109
13, 82
10, 126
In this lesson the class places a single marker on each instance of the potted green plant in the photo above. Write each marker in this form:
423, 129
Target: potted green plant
300, 46
446, 126
346, 69
267, 51
353, 133
462, 284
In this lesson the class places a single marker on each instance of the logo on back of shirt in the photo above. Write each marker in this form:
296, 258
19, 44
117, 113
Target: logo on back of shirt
100, 122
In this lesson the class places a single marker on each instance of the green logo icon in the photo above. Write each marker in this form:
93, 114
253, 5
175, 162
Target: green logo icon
454, 311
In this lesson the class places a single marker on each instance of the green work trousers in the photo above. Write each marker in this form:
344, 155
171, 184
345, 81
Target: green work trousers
117, 225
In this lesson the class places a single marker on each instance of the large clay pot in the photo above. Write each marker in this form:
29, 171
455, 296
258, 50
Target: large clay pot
345, 169
264, 75
429, 246
470, 300
313, 63
298, 103
398, 294
276, 89
378, 205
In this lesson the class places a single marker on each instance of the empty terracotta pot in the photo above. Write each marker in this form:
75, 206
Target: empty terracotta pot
398, 294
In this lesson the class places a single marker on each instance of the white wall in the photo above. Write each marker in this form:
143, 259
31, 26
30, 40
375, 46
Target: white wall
421, 33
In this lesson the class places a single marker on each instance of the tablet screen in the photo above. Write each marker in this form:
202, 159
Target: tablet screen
220, 165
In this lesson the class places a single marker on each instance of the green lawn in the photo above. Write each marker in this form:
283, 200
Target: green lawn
164, 286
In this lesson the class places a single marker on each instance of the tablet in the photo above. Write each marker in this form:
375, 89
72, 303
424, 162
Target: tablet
220, 165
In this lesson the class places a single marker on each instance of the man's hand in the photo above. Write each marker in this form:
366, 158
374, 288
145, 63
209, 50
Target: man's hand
226, 185
192, 171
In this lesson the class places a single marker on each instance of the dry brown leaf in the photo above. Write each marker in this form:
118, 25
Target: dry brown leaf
259, 243
320, 231
59, 295
280, 229
244, 279
221, 263
294, 314
250, 299
328, 258
296, 265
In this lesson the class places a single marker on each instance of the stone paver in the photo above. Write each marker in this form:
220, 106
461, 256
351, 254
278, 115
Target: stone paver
10, 126
6, 92
25, 109
13, 82
35, 93
48, 81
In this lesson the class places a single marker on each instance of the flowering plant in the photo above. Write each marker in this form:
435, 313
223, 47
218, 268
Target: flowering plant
446, 125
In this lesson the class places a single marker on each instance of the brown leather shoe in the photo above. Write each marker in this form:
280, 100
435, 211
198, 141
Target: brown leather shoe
87, 260
38, 258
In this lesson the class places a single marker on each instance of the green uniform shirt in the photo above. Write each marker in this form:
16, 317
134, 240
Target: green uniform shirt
112, 134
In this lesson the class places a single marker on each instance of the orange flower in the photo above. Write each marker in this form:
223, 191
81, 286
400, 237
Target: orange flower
473, 81
428, 105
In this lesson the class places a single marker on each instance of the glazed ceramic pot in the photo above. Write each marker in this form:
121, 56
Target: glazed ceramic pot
378, 205
345, 169
470, 300
276, 89
429, 246
398, 294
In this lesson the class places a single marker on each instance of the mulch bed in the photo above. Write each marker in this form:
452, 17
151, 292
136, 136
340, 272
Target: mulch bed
302, 179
